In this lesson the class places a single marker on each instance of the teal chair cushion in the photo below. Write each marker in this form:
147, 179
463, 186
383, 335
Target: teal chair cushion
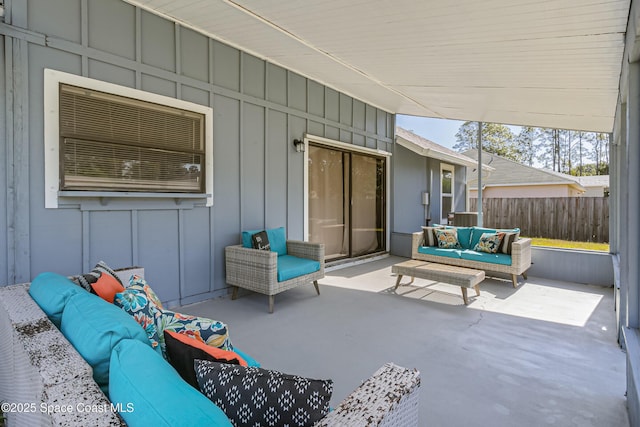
51, 292
151, 393
277, 239
290, 267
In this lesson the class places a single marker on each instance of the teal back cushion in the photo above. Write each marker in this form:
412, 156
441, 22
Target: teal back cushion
277, 239
95, 327
464, 236
151, 393
51, 292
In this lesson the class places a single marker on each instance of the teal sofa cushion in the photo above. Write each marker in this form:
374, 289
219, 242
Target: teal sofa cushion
250, 360
499, 258
94, 327
434, 250
464, 236
277, 239
51, 292
149, 392
290, 267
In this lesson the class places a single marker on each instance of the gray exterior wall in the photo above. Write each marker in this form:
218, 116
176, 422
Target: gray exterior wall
412, 174
259, 108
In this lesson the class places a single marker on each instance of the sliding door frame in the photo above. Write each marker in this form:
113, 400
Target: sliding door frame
330, 143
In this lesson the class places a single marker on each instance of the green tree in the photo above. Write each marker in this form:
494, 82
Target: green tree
496, 138
526, 144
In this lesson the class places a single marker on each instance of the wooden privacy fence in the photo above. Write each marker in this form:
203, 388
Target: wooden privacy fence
580, 219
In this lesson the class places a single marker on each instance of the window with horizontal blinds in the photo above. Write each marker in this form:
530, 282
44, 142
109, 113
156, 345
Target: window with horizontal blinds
114, 143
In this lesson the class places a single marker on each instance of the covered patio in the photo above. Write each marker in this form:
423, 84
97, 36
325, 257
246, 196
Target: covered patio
542, 354
275, 72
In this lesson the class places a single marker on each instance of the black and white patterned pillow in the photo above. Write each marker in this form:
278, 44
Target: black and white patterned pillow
253, 396
261, 241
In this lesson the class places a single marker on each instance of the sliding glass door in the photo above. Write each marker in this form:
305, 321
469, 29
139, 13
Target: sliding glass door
346, 202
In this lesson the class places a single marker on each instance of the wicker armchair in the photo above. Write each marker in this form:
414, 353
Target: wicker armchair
257, 270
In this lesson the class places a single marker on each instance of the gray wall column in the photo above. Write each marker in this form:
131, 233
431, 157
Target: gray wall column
629, 263
17, 160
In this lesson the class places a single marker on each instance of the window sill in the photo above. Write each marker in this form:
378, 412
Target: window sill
123, 200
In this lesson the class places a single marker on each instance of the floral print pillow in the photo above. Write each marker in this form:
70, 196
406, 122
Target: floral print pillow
447, 238
489, 242
139, 300
138, 305
210, 332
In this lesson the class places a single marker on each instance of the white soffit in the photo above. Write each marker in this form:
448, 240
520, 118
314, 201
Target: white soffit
553, 63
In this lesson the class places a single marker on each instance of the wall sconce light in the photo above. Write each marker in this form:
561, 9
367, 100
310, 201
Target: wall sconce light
299, 145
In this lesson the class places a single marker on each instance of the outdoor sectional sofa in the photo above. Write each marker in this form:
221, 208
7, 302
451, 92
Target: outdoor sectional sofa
45, 381
514, 260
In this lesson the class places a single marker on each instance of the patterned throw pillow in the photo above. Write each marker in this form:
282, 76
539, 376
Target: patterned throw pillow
139, 306
210, 332
101, 281
183, 350
254, 396
447, 238
137, 282
260, 241
507, 239
429, 237
141, 302
489, 243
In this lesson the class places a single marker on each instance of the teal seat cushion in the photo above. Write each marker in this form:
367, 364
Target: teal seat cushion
151, 393
94, 327
499, 258
434, 250
51, 292
464, 236
290, 267
250, 360
277, 239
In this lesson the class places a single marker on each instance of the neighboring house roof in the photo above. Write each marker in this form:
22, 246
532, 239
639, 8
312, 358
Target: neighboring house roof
510, 173
594, 181
428, 148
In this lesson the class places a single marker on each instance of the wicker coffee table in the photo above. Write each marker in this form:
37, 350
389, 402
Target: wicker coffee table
450, 274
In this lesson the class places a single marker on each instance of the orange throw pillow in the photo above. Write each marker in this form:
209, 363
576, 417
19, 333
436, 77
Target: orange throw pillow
106, 287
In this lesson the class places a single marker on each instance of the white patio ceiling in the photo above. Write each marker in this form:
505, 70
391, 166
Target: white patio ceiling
548, 63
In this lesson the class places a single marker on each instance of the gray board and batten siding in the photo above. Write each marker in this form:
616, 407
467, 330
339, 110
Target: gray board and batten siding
258, 107
412, 175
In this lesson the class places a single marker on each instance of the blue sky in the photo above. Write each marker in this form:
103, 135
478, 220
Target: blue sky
440, 131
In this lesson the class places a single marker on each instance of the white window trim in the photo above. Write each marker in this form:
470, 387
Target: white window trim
452, 168
347, 147
52, 80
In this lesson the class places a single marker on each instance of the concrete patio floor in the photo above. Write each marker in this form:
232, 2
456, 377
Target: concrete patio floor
542, 354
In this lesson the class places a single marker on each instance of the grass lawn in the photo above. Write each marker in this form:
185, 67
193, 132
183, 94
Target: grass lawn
538, 241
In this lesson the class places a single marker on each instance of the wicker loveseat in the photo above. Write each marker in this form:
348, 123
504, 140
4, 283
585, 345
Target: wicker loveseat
44, 381
514, 263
